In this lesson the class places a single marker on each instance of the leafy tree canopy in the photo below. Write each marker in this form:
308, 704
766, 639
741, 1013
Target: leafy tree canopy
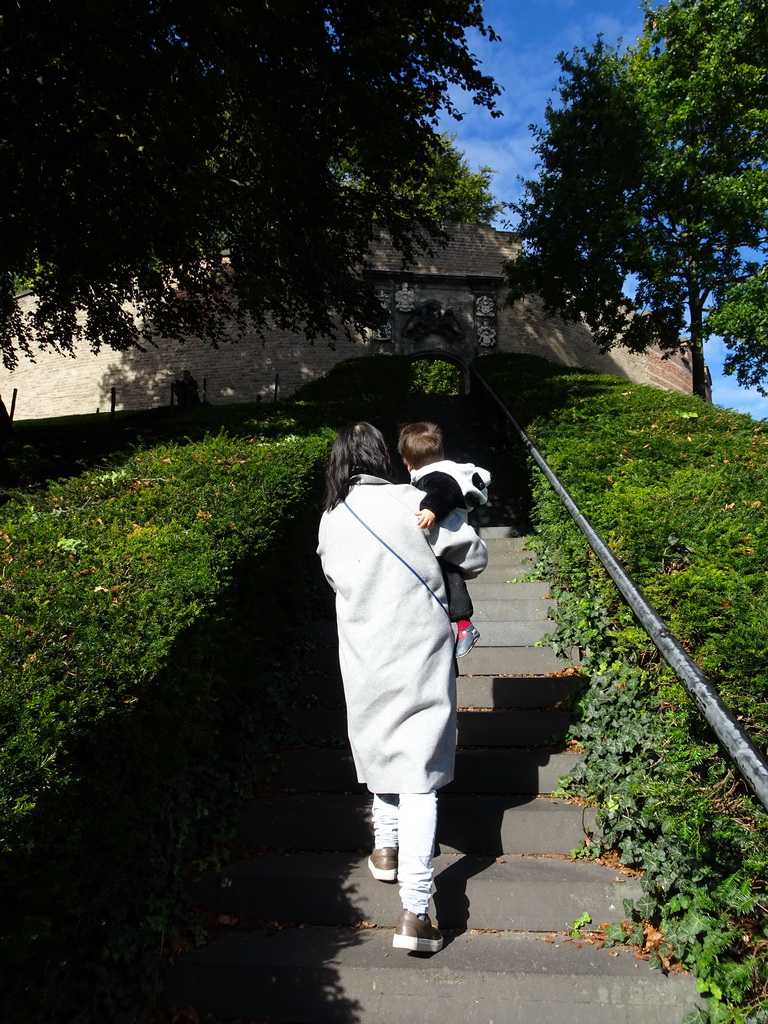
203, 161
654, 172
452, 191
448, 191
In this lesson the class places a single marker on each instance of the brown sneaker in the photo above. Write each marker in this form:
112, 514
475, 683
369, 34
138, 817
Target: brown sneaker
417, 934
383, 864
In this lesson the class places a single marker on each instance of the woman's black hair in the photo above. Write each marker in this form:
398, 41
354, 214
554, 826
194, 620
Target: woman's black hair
358, 448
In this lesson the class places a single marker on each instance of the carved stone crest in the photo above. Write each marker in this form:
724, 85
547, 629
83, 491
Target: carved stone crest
486, 335
430, 318
404, 299
383, 332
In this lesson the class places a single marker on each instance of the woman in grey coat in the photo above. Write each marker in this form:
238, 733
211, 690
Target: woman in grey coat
396, 654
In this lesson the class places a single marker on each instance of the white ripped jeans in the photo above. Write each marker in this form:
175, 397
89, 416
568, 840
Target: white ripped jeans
407, 822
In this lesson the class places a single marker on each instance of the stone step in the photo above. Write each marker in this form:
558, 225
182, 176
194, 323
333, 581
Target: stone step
514, 691
505, 547
481, 661
510, 771
491, 534
482, 591
510, 570
522, 772
518, 728
520, 893
491, 728
513, 661
497, 532
473, 691
318, 975
511, 633
512, 609
492, 825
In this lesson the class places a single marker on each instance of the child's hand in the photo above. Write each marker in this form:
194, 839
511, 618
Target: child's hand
425, 519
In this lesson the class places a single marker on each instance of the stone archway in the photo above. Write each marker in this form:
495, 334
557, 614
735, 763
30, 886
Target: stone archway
453, 315
463, 385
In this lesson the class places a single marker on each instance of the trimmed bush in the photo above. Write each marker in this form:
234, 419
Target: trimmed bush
678, 490
150, 626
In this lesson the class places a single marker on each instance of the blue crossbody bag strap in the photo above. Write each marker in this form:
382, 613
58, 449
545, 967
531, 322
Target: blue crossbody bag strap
398, 557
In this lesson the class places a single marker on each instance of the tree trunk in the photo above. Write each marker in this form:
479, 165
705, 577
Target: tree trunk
696, 316
699, 371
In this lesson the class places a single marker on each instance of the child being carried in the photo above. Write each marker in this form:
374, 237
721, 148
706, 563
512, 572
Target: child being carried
449, 486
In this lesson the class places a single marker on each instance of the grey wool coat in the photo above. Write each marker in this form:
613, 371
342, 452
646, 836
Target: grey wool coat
395, 640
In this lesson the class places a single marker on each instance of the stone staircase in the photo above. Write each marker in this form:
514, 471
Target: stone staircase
305, 933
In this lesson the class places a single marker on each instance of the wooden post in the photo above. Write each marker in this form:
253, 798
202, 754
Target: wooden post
112, 401
277, 385
13, 403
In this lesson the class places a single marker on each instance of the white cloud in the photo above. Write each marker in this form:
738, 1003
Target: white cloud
525, 65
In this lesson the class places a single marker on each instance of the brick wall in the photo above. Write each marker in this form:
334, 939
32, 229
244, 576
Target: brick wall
238, 371
474, 249
246, 370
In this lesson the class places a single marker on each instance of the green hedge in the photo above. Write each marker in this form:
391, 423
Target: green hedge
678, 490
150, 634
104, 576
434, 377
120, 597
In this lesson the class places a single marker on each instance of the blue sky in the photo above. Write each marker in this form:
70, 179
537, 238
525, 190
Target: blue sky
524, 64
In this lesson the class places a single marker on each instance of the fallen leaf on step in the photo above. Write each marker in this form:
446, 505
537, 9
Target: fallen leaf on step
653, 937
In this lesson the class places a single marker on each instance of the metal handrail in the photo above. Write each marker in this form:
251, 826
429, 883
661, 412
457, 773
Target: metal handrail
745, 754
